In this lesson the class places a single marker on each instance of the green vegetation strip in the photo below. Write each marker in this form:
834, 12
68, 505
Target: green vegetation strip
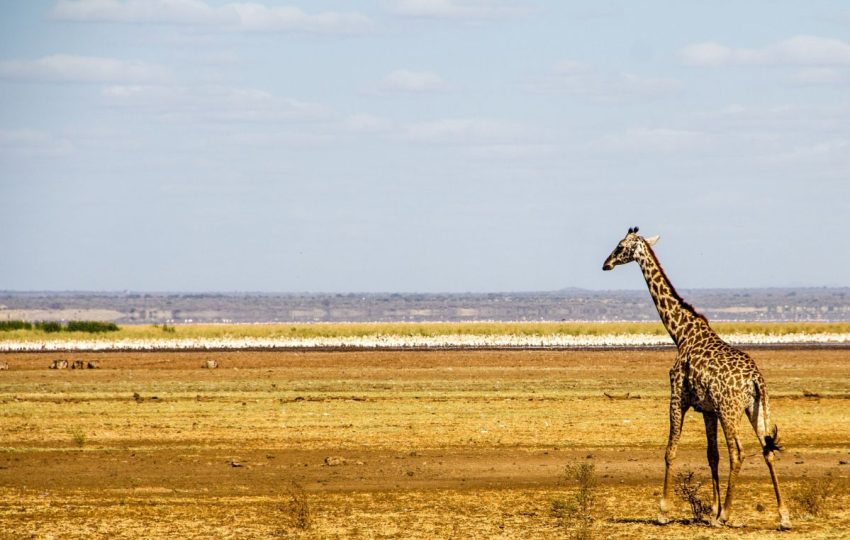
85, 330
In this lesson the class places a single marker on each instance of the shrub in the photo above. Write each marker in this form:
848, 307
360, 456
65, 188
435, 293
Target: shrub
296, 509
91, 327
78, 436
814, 497
687, 488
577, 514
15, 325
48, 326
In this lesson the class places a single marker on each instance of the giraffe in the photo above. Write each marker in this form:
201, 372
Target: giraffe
710, 376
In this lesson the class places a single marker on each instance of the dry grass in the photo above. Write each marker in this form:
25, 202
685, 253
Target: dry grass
814, 497
436, 444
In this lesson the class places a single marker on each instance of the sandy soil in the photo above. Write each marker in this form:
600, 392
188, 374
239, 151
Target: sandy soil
430, 444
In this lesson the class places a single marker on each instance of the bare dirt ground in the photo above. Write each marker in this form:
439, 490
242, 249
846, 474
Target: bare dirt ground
465, 444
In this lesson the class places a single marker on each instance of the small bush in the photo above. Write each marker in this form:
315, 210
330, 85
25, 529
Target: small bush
687, 488
168, 329
79, 437
296, 510
6, 326
814, 497
577, 513
91, 327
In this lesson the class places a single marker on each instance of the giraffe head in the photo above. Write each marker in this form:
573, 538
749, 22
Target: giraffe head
627, 248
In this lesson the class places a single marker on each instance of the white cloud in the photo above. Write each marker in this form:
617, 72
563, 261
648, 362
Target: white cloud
257, 17
244, 16
141, 11
575, 78
798, 50
215, 104
413, 82
85, 69
459, 9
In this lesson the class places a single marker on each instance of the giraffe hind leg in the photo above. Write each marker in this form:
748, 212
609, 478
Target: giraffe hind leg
770, 445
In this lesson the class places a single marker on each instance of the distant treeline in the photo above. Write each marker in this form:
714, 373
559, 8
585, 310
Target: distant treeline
53, 326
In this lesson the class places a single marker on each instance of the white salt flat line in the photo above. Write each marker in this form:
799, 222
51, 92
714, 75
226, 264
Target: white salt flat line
412, 342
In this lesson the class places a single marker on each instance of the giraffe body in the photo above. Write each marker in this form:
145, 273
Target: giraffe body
711, 377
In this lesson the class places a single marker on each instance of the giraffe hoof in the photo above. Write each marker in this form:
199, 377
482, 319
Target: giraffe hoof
785, 525
734, 524
662, 519
714, 522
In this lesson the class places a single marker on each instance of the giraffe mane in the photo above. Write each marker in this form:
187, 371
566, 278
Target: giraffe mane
685, 304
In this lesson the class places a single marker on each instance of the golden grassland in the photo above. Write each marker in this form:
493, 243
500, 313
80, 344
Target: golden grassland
437, 444
425, 329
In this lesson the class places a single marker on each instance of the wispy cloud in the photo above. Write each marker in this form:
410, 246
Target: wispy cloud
366, 123
464, 131
31, 143
460, 9
816, 76
412, 82
574, 78
652, 140
799, 50
215, 104
243, 16
83, 69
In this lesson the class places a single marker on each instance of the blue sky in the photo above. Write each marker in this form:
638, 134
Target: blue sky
421, 145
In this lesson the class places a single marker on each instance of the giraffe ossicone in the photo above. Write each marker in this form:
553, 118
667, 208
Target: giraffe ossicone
711, 377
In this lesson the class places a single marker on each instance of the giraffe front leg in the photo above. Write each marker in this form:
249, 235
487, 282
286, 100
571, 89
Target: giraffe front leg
677, 415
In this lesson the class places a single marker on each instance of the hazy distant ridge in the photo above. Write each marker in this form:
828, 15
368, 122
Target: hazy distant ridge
829, 304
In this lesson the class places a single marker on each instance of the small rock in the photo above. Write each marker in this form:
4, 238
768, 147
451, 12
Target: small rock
842, 462
333, 461
234, 463
93, 365
137, 397
59, 364
4, 366
210, 364
78, 364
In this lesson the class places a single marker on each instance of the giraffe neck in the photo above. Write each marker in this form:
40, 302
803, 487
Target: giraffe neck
678, 316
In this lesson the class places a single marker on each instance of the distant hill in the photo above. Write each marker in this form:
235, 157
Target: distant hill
804, 304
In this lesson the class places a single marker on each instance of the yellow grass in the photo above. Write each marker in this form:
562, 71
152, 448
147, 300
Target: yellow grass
428, 329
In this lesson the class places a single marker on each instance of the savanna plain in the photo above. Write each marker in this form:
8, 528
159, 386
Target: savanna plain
393, 444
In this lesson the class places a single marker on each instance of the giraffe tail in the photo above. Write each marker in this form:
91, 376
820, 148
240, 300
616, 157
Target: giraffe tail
771, 440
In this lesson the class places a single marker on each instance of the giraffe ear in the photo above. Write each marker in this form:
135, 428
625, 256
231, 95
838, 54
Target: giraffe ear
652, 240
